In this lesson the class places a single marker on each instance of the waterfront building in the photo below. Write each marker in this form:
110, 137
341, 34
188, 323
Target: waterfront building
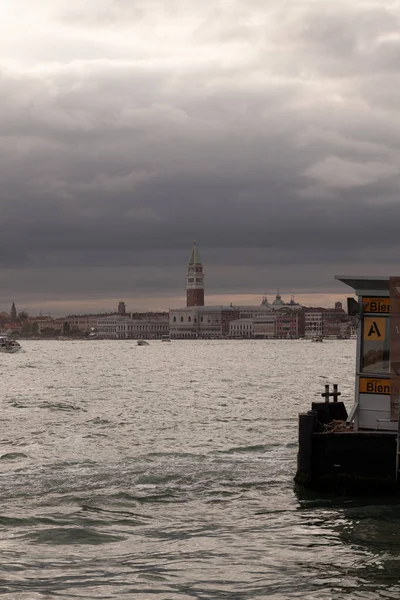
266, 308
287, 325
85, 323
313, 322
195, 279
279, 324
183, 322
41, 322
201, 321
265, 327
146, 329
327, 322
123, 328
277, 319
108, 327
241, 328
150, 316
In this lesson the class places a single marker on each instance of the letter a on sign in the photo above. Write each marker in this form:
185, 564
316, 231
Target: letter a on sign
374, 329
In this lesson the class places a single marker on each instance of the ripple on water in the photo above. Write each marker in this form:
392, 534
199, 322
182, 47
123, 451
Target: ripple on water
71, 535
61, 406
13, 456
168, 474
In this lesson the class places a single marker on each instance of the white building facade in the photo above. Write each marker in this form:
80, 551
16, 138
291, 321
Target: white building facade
201, 321
241, 328
124, 328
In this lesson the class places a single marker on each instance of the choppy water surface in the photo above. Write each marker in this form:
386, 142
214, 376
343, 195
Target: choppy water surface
166, 472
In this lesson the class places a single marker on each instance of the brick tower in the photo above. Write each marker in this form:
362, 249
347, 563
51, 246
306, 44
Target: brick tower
195, 280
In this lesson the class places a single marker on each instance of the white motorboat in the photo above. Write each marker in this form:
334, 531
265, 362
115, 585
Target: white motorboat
8, 346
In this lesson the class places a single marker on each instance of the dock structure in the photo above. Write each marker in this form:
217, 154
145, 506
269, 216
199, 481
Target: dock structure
358, 451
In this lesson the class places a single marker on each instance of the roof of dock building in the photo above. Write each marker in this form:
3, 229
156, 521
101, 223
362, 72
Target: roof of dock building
364, 285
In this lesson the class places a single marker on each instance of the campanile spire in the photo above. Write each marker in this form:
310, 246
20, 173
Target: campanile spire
195, 279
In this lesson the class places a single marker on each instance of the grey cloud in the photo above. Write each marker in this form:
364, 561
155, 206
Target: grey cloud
272, 141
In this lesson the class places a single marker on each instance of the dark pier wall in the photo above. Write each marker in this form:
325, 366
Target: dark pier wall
350, 461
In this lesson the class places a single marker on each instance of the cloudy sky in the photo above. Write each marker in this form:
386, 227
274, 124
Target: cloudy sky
268, 130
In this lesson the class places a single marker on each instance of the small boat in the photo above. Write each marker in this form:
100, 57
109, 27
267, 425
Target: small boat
165, 338
142, 343
8, 346
318, 338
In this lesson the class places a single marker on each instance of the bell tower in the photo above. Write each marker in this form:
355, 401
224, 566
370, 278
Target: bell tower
13, 312
195, 279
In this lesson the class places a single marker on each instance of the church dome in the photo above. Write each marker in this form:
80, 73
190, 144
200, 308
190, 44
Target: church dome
278, 300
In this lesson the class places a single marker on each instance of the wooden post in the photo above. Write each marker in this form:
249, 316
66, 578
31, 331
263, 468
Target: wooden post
326, 395
306, 430
335, 394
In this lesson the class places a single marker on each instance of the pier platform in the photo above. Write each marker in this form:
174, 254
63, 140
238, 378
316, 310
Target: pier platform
345, 461
359, 452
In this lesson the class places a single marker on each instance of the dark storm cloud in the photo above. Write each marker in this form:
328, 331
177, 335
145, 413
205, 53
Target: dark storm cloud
270, 134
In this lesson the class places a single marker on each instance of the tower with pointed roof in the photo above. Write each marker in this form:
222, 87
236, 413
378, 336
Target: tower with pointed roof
13, 312
195, 279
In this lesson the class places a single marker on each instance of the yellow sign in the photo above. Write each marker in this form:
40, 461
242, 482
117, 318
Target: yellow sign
369, 385
374, 329
376, 305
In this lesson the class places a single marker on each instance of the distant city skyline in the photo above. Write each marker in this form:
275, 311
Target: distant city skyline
61, 308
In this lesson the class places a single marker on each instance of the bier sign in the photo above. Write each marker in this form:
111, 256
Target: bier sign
373, 385
376, 305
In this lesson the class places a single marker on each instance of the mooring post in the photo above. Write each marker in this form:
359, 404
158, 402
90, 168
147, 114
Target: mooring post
326, 395
335, 394
306, 430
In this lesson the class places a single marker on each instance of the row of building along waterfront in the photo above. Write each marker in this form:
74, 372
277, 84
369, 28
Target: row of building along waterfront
209, 322
232, 322
275, 320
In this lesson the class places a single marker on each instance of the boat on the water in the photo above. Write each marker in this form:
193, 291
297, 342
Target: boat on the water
165, 338
142, 343
8, 346
318, 338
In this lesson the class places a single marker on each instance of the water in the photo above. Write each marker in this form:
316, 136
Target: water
166, 472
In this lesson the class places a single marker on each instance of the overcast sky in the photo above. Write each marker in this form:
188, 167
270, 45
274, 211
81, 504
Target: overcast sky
268, 130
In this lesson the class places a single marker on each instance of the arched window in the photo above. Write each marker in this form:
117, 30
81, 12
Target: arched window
181, 319
174, 319
201, 319
189, 319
